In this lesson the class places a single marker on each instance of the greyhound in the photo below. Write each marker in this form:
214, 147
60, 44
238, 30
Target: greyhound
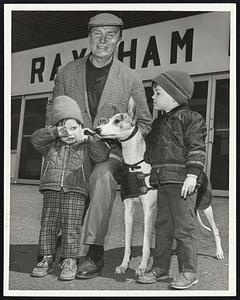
122, 126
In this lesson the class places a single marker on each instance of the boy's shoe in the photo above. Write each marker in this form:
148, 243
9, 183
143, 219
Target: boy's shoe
68, 269
184, 280
153, 276
44, 267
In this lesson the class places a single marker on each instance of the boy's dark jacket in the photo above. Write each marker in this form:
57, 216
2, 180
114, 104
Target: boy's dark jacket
67, 166
176, 145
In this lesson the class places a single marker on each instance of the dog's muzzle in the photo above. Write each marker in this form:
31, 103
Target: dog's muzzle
98, 130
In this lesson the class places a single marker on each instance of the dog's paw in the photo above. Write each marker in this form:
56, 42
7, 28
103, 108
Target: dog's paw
140, 270
121, 269
219, 255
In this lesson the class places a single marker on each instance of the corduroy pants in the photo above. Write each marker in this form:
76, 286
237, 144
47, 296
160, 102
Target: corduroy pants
61, 211
175, 219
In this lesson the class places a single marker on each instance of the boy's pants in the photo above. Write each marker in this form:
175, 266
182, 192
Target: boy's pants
102, 192
65, 211
175, 219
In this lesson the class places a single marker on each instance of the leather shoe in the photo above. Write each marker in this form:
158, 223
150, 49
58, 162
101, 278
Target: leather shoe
89, 269
153, 276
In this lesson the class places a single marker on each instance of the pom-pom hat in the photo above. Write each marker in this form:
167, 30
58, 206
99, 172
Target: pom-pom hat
105, 19
177, 84
65, 107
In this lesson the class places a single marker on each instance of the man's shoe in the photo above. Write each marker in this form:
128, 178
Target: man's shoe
44, 267
88, 269
184, 280
153, 275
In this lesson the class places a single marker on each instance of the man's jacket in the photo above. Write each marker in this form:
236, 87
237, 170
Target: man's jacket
176, 145
122, 82
67, 167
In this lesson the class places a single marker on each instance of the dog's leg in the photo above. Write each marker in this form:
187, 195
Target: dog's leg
209, 214
148, 203
129, 208
201, 222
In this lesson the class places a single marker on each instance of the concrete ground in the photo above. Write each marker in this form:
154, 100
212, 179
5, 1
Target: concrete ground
25, 211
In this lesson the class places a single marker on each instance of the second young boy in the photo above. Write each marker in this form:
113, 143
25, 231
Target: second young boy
176, 151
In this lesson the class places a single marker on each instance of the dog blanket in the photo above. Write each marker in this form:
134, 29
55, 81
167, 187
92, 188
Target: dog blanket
204, 197
132, 183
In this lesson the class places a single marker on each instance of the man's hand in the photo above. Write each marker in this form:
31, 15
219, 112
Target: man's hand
189, 185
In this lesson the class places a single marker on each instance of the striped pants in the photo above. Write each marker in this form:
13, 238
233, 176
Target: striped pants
63, 211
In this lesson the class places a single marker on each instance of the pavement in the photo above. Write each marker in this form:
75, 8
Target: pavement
25, 212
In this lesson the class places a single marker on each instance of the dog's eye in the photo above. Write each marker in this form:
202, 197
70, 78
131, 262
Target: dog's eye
103, 121
119, 119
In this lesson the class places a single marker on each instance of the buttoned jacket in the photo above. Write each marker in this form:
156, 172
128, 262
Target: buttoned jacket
122, 82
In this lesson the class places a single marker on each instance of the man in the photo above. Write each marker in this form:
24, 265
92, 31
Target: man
100, 84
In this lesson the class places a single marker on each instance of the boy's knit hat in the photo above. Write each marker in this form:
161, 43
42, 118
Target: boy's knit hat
177, 84
65, 107
105, 19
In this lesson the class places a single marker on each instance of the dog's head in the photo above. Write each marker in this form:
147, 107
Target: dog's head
119, 126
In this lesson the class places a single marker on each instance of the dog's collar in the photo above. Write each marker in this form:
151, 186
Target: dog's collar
134, 166
131, 135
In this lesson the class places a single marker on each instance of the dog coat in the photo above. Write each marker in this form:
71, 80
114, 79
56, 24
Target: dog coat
133, 184
204, 197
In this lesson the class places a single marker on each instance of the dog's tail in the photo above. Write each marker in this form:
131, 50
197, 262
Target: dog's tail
201, 222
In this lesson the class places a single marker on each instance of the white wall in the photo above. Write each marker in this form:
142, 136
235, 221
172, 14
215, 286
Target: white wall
209, 52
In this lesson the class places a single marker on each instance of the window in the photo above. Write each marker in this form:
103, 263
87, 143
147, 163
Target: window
149, 94
220, 152
199, 98
30, 159
15, 119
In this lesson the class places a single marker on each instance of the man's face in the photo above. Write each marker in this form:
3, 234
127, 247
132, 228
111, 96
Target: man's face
104, 40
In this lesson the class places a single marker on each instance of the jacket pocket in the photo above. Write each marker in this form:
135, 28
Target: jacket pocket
83, 174
45, 169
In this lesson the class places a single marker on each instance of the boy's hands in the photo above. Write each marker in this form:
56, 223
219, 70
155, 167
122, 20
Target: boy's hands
81, 137
189, 185
62, 131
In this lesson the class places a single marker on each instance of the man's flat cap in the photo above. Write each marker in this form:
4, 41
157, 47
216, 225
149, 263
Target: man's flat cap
105, 19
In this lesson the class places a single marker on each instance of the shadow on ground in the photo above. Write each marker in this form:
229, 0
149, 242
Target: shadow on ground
24, 257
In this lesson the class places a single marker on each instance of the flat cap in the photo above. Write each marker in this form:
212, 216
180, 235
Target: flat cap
105, 19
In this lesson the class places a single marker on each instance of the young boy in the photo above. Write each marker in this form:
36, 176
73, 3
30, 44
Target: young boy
68, 160
176, 151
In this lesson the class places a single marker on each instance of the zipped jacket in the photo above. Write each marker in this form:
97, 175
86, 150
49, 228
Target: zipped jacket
65, 166
176, 145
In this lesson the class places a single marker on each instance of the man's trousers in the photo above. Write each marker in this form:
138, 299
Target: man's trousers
102, 192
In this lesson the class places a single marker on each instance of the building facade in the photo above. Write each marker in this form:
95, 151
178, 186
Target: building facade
199, 45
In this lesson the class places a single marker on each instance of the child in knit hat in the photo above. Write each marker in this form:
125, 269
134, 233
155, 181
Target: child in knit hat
69, 156
176, 151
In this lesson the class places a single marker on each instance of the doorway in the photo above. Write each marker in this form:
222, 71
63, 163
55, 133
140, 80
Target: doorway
219, 139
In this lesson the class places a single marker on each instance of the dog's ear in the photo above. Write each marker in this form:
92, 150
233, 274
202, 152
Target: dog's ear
131, 109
